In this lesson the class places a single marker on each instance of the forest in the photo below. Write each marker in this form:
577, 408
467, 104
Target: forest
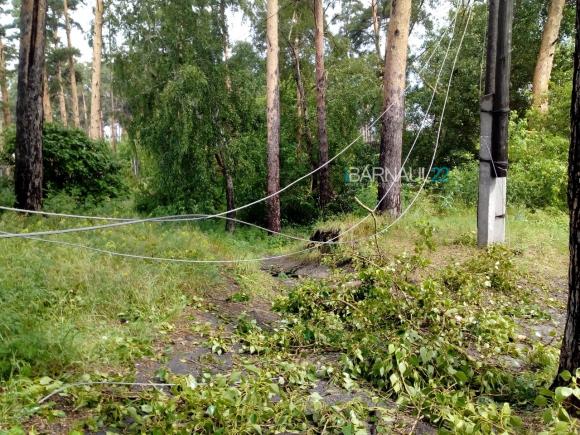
289, 217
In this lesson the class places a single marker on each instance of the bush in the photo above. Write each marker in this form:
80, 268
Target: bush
537, 176
75, 165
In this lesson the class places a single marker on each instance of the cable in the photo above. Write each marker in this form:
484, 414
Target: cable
288, 186
126, 221
30, 236
176, 218
398, 177
439, 130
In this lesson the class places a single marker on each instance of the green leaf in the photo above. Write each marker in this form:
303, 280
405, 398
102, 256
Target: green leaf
541, 401
252, 368
563, 393
461, 377
45, 380
566, 376
516, 421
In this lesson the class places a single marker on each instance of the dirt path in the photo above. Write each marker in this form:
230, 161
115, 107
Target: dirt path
188, 349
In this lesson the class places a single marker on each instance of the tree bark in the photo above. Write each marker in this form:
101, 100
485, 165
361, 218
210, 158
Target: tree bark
85, 110
394, 104
72, 70
324, 188
570, 353
302, 110
46, 104
376, 27
545, 61
7, 115
273, 117
95, 129
230, 194
29, 111
221, 158
61, 97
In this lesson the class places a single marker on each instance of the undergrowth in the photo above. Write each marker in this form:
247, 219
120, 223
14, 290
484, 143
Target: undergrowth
446, 344
439, 345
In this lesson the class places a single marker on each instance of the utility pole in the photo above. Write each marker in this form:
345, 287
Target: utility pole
493, 154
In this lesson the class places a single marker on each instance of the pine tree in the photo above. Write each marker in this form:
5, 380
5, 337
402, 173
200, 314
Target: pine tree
96, 129
394, 105
273, 116
29, 110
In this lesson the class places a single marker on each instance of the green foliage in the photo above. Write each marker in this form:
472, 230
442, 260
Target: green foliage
76, 166
538, 170
437, 345
540, 165
6, 191
440, 341
250, 400
460, 132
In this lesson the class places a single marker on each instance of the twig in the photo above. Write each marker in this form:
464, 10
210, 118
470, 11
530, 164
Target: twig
83, 384
354, 307
372, 213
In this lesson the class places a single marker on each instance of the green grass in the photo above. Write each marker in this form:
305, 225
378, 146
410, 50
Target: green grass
67, 312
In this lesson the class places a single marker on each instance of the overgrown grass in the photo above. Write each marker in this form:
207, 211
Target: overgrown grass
540, 234
68, 313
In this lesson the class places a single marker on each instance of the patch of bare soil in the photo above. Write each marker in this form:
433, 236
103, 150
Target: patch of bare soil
187, 350
295, 268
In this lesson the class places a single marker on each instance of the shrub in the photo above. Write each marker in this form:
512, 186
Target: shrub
537, 176
75, 165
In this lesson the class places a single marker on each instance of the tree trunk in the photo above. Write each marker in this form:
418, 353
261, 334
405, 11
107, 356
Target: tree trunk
72, 70
29, 113
61, 97
113, 123
394, 105
570, 353
221, 158
273, 116
85, 110
324, 189
302, 110
46, 104
7, 115
225, 43
546, 56
229, 187
95, 129
376, 27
